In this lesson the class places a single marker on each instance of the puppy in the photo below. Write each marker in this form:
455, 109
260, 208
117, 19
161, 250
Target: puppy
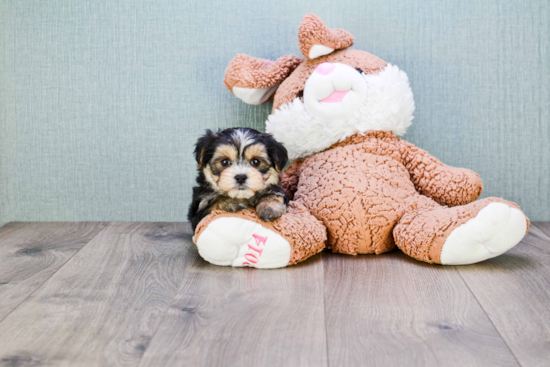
238, 168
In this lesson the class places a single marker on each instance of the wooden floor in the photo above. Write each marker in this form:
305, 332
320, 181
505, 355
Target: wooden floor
137, 294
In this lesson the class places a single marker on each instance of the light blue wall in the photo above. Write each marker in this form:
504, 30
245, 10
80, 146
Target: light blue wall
101, 101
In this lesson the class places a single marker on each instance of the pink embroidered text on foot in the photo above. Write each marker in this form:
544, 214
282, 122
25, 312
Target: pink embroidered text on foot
250, 256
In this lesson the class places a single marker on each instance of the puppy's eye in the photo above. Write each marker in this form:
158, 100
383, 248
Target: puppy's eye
255, 162
226, 163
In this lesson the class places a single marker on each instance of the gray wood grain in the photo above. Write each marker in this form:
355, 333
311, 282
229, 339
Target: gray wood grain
30, 253
244, 317
542, 226
390, 310
104, 306
514, 290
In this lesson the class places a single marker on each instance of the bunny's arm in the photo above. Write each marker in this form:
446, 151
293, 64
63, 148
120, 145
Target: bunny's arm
447, 185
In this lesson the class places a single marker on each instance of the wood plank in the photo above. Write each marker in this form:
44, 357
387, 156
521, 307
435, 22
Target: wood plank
390, 310
30, 253
544, 227
244, 317
514, 290
103, 307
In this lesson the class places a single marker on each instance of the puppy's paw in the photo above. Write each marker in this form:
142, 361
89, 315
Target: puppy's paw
271, 209
230, 205
236, 207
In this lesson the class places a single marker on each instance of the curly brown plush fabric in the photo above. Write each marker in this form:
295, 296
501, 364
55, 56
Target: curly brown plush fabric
445, 184
362, 187
313, 31
252, 72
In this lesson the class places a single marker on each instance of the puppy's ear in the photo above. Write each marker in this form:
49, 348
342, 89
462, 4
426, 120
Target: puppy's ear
276, 152
205, 141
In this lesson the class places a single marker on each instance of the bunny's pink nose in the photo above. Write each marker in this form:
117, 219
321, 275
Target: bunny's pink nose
325, 68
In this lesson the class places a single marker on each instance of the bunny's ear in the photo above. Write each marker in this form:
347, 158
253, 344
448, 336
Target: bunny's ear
315, 39
254, 80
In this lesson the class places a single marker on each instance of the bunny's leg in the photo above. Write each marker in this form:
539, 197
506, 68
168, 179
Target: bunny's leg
243, 239
460, 235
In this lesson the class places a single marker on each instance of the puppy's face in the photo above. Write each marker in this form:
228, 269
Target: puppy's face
240, 162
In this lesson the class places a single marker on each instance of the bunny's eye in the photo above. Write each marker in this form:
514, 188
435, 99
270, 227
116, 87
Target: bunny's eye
226, 163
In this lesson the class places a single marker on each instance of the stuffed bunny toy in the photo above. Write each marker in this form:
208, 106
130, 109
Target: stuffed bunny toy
355, 187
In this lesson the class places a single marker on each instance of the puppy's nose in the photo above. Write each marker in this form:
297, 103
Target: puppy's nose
325, 68
240, 179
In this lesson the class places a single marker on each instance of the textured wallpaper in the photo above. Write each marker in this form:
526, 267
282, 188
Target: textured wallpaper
102, 101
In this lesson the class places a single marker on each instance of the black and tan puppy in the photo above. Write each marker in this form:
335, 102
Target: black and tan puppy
238, 168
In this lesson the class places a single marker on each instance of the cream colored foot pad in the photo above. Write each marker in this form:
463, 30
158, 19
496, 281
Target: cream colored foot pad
493, 231
240, 242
